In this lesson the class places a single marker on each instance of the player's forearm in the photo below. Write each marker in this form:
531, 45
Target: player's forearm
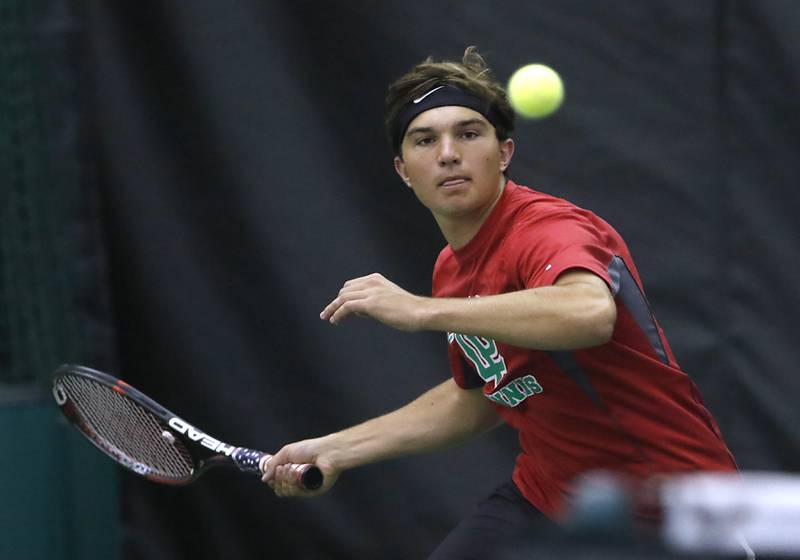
548, 318
444, 416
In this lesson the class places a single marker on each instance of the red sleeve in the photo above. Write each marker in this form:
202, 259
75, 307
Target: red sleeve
548, 247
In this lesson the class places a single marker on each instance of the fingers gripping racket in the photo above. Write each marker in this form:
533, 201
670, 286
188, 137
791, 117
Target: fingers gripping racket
145, 437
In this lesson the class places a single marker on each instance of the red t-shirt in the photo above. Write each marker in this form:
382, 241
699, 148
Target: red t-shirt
623, 406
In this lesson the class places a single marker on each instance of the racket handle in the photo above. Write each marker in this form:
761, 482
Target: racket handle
250, 460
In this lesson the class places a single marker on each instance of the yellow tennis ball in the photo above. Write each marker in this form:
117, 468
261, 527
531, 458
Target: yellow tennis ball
535, 91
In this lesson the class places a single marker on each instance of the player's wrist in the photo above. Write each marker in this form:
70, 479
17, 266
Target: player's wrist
440, 314
335, 452
428, 313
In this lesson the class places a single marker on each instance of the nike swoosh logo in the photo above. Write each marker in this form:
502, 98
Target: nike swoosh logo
418, 99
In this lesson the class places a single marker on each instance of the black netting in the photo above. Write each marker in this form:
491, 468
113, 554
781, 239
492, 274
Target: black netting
41, 322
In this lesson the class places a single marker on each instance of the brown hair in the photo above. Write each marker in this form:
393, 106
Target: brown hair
472, 75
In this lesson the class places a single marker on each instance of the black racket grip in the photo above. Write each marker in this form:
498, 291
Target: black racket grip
249, 460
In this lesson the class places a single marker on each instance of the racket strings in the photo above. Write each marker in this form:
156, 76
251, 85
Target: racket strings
123, 427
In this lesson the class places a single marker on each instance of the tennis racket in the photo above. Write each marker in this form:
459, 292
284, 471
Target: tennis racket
146, 438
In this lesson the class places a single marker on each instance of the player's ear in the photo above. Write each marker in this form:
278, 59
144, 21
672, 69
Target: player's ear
400, 169
506, 153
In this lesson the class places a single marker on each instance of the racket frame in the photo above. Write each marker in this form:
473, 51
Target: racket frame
204, 450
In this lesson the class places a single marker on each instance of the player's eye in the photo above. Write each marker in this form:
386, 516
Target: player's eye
424, 140
469, 134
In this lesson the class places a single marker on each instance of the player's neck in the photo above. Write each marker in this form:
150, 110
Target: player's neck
460, 229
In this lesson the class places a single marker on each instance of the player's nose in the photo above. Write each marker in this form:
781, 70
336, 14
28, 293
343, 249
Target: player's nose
448, 152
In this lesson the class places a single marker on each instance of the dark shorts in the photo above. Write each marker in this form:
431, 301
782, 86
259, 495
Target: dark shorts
501, 517
505, 526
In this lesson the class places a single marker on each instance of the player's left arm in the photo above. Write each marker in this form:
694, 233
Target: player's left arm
577, 311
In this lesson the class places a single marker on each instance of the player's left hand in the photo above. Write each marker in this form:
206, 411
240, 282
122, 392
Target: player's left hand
375, 296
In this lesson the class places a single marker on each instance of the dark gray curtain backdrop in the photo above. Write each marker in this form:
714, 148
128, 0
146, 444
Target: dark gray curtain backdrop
240, 150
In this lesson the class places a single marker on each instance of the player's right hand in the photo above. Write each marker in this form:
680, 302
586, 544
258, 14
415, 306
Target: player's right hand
280, 470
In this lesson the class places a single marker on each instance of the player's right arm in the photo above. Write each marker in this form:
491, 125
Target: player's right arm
441, 417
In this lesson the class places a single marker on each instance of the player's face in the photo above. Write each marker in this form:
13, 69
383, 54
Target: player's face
454, 162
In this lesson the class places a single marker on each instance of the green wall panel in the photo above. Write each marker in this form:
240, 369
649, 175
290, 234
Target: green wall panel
58, 494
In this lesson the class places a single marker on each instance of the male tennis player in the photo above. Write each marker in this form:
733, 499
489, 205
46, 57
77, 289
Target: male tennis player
547, 324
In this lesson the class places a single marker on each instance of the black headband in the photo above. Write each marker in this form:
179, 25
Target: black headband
439, 96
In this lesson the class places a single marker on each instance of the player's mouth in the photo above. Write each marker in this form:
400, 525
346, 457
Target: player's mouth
454, 181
